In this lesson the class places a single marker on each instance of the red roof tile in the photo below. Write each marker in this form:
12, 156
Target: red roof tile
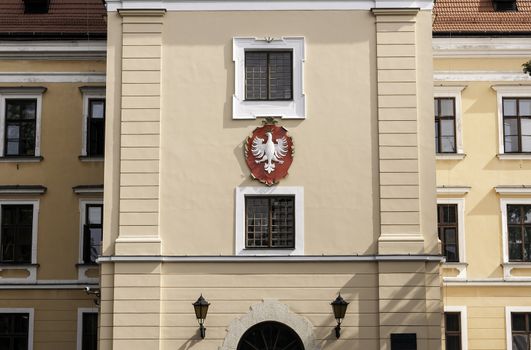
64, 18
478, 16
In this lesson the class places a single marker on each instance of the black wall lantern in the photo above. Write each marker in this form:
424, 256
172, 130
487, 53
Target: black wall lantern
201, 309
340, 308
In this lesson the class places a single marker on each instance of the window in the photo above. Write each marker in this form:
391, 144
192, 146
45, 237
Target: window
517, 125
519, 230
445, 129
96, 128
452, 330
92, 232
20, 122
521, 330
270, 222
268, 78
16, 234
505, 5
268, 75
15, 329
93, 144
20, 127
87, 329
447, 222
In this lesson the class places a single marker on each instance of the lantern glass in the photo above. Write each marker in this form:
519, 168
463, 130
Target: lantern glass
339, 306
201, 308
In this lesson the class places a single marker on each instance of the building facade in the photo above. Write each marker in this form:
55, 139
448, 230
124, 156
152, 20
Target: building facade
187, 84
482, 111
52, 108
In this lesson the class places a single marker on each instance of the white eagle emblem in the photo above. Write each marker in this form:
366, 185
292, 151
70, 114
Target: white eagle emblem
269, 152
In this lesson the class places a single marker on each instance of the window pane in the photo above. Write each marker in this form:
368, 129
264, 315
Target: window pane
520, 342
515, 243
95, 243
526, 143
90, 331
256, 75
97, 109
13, 131
447, 144
450, 235
12, 148
453, 342
29, 109
514, 214
21, 323
447, 127
526, 126
447, 107
436, 106
527, 214
525, 107
94, 214
21, 343
437, 150
451, 253
510, 126
518, 321
511, 144
509, 107
280, 75
257, 222
452, 321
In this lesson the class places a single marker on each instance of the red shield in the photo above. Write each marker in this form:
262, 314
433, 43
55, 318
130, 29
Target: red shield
269, 153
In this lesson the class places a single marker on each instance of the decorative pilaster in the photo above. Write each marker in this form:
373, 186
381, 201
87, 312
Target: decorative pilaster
398, 132
140, 133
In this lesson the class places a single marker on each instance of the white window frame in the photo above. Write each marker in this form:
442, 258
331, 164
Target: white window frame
35, 223
80, 312
461, 266
88, 94
508, 265
508, 325
503, 91
464, 323
455, 93
242, 192
21, 95
293, 109
31, 320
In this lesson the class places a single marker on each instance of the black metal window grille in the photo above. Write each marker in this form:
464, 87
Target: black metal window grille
521, 330
16, 234
269, 75
447, 222
270, 221
20, 127
452, 330
270, 335
445, 140
14, 329
519, 230
517, 125
92, 233
89, 336
96, 127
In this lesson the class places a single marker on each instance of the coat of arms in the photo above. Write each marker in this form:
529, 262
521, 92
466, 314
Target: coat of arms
269, 153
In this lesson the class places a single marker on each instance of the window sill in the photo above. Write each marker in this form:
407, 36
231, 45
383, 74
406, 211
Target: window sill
450, 156
29, 269
514, 156
268, 252
16, 159
83, 274
508, 268
91, 159
461, 268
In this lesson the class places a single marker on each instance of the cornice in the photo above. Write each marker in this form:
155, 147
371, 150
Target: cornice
53, 50
479, 47
263, 5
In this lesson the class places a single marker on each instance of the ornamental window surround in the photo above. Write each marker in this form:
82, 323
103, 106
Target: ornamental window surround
268, 78
17, 328
269, 221
20, 122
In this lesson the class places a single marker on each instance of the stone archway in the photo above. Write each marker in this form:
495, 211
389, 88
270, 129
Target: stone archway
270, 310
